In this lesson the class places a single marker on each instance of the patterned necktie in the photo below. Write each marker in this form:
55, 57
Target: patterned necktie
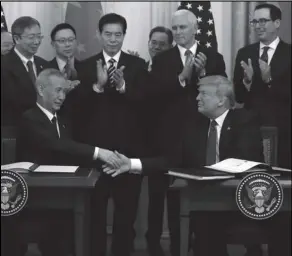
111, 71
188, 55
211, 144
31, 71
55, 123
70, 71
264, 56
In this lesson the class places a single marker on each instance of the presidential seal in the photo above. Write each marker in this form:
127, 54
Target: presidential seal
259, 196
14, 192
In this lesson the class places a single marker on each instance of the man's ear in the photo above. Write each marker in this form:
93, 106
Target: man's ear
40, 90
277, 23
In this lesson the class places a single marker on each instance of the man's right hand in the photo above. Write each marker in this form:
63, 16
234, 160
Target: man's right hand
101, 74
248, 72
109, 157
186, 73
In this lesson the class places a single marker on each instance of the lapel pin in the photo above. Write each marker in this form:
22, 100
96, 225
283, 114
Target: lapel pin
228, 128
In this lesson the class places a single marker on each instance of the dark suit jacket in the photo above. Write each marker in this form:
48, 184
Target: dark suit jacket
110, 119
39, 143
17, 90
54, 64
273, 104
240, 138
170, 102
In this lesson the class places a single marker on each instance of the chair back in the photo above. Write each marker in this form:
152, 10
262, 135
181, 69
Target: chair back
270, 144
8, 144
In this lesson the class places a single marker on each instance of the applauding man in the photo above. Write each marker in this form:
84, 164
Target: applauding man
108, 116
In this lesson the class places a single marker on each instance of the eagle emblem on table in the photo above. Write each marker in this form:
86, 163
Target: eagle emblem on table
9, 195
260, 195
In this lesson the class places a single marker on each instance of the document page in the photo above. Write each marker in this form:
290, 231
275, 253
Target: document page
56, 169
21, 165
233, 165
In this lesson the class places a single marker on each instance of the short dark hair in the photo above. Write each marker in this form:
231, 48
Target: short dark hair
275, 12
59, 27
20, 24
162, 30
112, 18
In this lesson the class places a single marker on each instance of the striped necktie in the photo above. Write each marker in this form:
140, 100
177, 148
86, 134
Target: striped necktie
111, 71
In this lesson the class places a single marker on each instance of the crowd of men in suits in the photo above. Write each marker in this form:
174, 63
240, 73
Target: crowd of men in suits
130, 118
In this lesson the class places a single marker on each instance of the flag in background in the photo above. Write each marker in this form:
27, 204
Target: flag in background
3, 20
206, 35
84, 17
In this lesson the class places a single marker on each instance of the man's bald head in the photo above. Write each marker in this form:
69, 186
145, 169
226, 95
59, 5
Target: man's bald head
184, 28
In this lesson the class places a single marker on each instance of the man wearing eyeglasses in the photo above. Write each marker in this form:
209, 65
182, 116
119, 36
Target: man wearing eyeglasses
64, 42
262, 77
19, 69
262, 80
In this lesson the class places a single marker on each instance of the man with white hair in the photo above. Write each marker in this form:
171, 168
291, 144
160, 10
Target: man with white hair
173, 81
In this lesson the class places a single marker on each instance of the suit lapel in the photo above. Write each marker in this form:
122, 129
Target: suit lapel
277, 59
38, 64
176, 55
225, 134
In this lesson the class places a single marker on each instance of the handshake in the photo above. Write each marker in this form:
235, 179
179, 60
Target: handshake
114, 162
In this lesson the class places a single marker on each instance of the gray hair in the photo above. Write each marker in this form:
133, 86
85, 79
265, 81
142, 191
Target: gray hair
224, 86
43, 78
192, 19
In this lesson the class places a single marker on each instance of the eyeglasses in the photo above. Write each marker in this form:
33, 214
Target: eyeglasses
261, 22
69, 40
155, 43
32, 37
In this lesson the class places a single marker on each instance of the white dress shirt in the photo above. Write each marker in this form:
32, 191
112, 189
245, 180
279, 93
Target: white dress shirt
51, 116
25, 60
107, 58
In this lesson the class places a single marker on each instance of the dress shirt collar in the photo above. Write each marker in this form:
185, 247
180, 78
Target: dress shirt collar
220, 119
150, 65
61, 63
183, 50
23, 58
47, 112
107, 57
273, 45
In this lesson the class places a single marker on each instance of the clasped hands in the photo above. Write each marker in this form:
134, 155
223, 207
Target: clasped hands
102, 76
199, 61
114, 162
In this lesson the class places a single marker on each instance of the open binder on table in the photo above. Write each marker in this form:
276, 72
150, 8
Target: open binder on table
26, 167
226, 169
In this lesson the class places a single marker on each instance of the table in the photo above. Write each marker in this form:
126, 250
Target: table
65, 191
213, 196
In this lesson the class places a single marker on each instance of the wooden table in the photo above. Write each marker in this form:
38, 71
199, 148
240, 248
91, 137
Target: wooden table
213, 196
65, 191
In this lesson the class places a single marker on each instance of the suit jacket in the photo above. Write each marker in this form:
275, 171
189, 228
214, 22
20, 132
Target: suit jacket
171, 103
18, 92
273, 104
54, 64
110, 119
240, 138
38, 141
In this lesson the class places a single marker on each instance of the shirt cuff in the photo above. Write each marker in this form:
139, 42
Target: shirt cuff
95, 154
95, 88
136, 166
182, 83
122, 89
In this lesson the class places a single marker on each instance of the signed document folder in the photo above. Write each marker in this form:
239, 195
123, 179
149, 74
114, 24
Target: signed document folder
226, 169
25, 167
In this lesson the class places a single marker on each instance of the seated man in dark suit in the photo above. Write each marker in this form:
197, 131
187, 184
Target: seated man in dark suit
19, 69
44, 138
201, 142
